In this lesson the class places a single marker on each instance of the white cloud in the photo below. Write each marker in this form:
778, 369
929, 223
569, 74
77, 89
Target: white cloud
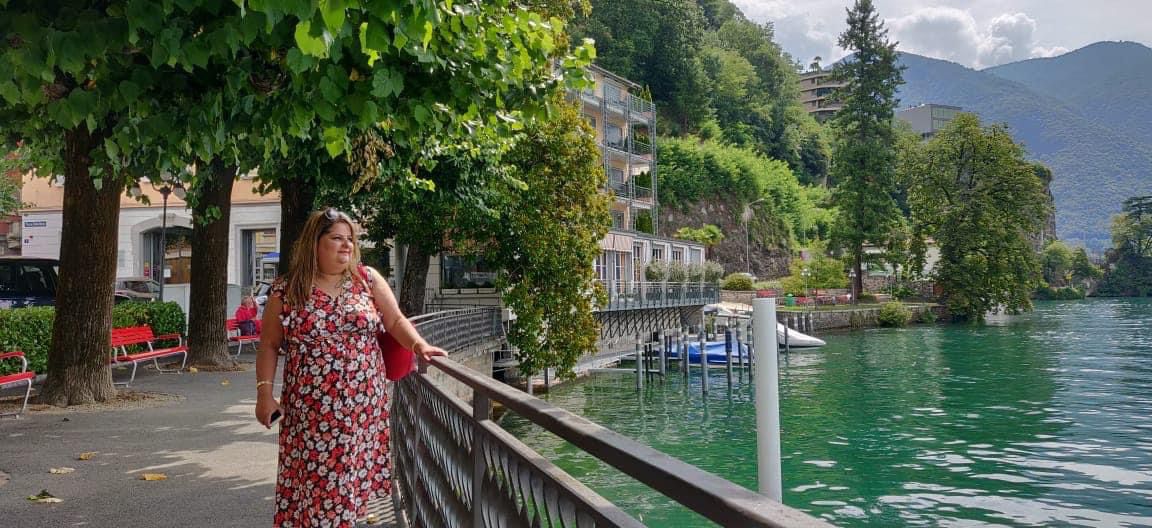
976, 33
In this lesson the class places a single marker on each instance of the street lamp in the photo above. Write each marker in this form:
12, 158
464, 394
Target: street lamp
746, 217
852, 283
168, 186
805, 273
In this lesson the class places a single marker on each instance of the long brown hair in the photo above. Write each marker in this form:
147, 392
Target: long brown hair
298, 280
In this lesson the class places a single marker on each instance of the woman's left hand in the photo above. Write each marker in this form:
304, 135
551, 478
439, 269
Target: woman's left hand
426, 351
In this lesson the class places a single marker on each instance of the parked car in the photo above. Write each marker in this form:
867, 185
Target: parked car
137, 288
27, 281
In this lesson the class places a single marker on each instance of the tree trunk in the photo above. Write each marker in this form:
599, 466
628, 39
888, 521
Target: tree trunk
858, 280
207, 336
297, 197
78, 369
414, 280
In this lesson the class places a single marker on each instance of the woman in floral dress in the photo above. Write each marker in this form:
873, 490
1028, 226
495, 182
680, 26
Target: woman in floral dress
324, 313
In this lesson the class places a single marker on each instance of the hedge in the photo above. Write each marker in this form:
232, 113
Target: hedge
30, 329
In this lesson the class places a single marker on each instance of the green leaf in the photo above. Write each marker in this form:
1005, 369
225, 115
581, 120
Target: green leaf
335, 141
129, 91
299, 62
10, 92
330, 91
315, 46
333, 13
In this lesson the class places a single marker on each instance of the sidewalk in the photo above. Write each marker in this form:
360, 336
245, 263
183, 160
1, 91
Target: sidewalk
219, 462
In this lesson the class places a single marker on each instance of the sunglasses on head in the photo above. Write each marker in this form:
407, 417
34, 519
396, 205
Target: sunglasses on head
332, 214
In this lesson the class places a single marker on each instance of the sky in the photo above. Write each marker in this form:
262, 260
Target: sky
975, 33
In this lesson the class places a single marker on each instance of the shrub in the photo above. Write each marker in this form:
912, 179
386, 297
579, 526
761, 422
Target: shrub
695, 272
656, 271
866, 298
30, 329
713, 271
1069, 293
928, 315
894, 314
677, 272
738, 282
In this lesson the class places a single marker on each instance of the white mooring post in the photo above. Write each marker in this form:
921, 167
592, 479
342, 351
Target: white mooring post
767, 398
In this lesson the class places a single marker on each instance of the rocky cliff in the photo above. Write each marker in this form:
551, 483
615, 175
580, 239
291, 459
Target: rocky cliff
767, 242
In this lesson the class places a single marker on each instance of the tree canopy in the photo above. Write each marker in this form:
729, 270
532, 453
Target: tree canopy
980, 201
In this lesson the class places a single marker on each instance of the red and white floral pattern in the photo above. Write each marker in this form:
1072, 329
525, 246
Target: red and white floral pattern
334, 434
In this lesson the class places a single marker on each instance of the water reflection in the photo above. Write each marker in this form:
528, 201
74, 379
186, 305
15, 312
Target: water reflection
1039, 420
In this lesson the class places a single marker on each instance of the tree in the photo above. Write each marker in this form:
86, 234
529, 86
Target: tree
13, 165
1083, 270
91, 89
545, 239
708, 234
864, 156
1056, 264
980, 200
1130, 259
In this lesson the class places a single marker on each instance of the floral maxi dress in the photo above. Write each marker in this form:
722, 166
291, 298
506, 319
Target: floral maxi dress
334, 434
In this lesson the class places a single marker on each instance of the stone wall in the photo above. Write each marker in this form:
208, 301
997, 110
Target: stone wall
866, 317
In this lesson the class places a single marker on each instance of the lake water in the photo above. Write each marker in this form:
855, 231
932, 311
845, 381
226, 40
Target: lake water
1043, 419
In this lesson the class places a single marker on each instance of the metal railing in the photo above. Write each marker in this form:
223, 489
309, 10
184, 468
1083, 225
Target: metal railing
456, 468
631, 295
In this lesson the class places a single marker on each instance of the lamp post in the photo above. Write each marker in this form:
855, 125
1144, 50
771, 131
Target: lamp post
746, 217
167, 187
804, 272
852, 283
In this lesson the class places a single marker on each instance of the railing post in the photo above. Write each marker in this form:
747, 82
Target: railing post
662, 344
481, 410
703, 335
639, 363
767, 400
728, 354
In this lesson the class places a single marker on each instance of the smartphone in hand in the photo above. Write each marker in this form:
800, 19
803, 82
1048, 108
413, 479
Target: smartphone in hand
275, 416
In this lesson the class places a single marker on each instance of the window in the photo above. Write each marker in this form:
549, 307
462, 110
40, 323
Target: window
592, 121
637, 262
621, 263
613, 136
677, 254
462, 271
600, 267
696, 256
657, 253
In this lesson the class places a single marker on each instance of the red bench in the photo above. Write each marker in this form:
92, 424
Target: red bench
24, 376
122, 338
234, 336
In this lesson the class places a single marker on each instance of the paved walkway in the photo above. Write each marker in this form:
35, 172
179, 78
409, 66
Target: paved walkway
220, 464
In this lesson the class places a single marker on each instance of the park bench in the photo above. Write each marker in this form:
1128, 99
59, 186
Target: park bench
141, 336
234, 336
14, 379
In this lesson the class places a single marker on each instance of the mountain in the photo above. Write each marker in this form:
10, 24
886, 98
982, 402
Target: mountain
1096, 164
1109, 82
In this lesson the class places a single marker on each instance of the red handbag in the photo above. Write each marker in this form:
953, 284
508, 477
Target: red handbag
398, 361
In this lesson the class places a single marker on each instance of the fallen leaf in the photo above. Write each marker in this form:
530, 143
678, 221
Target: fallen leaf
44, 497
193, 370
61, 470
86, 455
153, 476
225, 382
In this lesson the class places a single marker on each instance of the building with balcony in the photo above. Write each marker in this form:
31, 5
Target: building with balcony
624, 121
817, 94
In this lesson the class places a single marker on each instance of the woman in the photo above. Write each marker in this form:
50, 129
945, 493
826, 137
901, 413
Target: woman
334, 435
246, 320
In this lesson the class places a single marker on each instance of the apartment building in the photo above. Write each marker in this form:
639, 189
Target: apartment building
928, 119
817, 90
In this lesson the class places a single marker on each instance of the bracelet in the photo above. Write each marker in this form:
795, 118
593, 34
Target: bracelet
262, 383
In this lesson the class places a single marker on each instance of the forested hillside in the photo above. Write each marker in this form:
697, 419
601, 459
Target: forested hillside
1095, 165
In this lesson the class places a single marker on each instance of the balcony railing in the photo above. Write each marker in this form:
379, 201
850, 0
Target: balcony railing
456, 468
633, 295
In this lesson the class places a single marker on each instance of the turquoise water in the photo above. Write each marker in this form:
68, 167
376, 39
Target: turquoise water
1043, 419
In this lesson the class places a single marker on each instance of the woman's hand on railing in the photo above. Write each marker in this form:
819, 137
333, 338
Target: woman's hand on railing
426, 351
